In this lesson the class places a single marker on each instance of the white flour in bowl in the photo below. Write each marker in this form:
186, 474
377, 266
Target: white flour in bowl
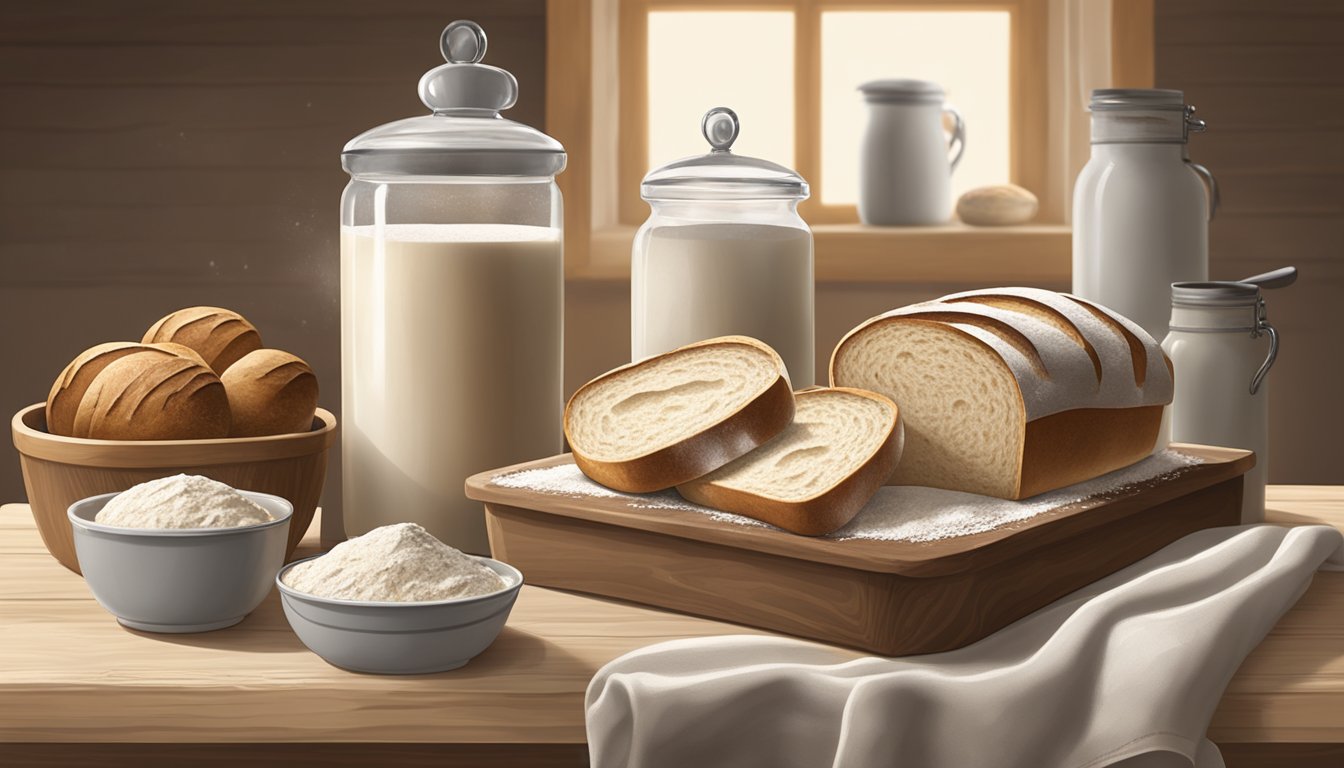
394, 563
181, 501
896, 513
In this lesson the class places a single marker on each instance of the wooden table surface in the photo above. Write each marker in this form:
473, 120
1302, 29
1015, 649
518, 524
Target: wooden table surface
78, 689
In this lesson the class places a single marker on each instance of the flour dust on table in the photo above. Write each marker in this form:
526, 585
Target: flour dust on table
896, 513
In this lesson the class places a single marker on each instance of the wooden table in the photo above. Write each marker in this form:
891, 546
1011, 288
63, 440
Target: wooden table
77, 689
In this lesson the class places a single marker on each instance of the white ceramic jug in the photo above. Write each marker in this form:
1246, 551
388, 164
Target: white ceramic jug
905, 172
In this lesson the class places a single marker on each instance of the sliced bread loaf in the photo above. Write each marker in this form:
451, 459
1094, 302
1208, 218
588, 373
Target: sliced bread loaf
653, 424
841, 447
1011, 392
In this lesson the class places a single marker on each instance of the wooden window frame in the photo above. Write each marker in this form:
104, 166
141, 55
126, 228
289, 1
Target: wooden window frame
597, 107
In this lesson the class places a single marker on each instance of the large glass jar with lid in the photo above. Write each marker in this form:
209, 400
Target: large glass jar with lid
452, 290
724, 252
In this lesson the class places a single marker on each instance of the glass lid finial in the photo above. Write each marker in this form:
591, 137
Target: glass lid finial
720, 127
463, 42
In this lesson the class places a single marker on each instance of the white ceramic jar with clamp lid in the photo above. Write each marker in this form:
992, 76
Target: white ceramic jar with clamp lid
1221, 347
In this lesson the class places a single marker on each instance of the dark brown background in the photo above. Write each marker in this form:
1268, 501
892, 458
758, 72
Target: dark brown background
156, 155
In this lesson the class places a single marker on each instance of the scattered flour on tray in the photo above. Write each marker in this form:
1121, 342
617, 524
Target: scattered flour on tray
394, 563
181, 501
896, 513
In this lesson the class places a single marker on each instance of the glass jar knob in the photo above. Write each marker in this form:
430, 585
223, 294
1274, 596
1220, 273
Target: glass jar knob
720, 127
463, 42
464, 86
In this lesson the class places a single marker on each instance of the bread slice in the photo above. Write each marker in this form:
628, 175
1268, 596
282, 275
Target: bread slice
653, 424
813, 478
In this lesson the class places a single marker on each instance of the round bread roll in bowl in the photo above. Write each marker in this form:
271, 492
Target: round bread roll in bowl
153, 394
220, 336
70, 386
270, 393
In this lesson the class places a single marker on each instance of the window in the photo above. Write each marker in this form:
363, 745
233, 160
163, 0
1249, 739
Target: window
629, 79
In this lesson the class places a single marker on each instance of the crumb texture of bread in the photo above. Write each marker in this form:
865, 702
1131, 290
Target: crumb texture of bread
833, 433
637, 410
963, 414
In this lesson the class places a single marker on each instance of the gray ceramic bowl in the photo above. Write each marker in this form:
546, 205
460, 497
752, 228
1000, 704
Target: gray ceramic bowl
180, 580
392, 638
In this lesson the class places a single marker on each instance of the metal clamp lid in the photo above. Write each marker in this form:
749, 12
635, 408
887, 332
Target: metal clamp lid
1231, 294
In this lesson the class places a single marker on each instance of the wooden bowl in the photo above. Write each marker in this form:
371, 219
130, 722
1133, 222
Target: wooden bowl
58, 471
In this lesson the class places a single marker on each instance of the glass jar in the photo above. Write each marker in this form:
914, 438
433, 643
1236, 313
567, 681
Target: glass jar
452, 288
724, 252
1221, 347
1140, 207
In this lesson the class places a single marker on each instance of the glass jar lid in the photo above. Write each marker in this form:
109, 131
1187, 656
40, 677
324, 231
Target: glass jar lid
465, 135
722, 175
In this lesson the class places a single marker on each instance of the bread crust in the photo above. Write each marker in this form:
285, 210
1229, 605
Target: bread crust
1073, 446
74, 380
829, 510
270, 393
754, 424
220, 336
153, 395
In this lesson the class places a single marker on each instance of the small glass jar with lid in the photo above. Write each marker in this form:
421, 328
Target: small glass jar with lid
724, 252
452, 286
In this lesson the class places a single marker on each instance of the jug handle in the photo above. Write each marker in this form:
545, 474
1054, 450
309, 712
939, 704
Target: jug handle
1210, 184
958, 139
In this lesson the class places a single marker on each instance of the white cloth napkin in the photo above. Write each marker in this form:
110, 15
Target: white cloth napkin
1128, 670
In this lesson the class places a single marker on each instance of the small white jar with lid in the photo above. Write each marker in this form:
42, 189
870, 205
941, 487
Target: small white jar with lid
724, 252
905, 170
1222, 346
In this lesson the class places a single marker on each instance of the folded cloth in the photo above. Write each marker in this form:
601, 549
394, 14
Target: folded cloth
1127, 670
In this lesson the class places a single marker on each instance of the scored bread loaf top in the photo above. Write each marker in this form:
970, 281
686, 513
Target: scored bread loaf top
1065, 352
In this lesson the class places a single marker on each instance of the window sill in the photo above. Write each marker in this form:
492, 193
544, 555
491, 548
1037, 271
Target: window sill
1032, 254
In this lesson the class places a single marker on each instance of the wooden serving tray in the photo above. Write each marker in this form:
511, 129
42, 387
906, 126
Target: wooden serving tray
886, 597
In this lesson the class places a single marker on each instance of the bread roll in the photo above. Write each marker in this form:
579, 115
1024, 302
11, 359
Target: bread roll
270, 393
220, 336
152, 394
69, 388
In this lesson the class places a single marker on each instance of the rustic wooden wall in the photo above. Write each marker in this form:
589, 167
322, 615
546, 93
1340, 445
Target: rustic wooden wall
1269, 78
155, 155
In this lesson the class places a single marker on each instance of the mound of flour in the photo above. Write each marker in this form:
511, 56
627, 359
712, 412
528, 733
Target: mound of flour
181, 501
394, 563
